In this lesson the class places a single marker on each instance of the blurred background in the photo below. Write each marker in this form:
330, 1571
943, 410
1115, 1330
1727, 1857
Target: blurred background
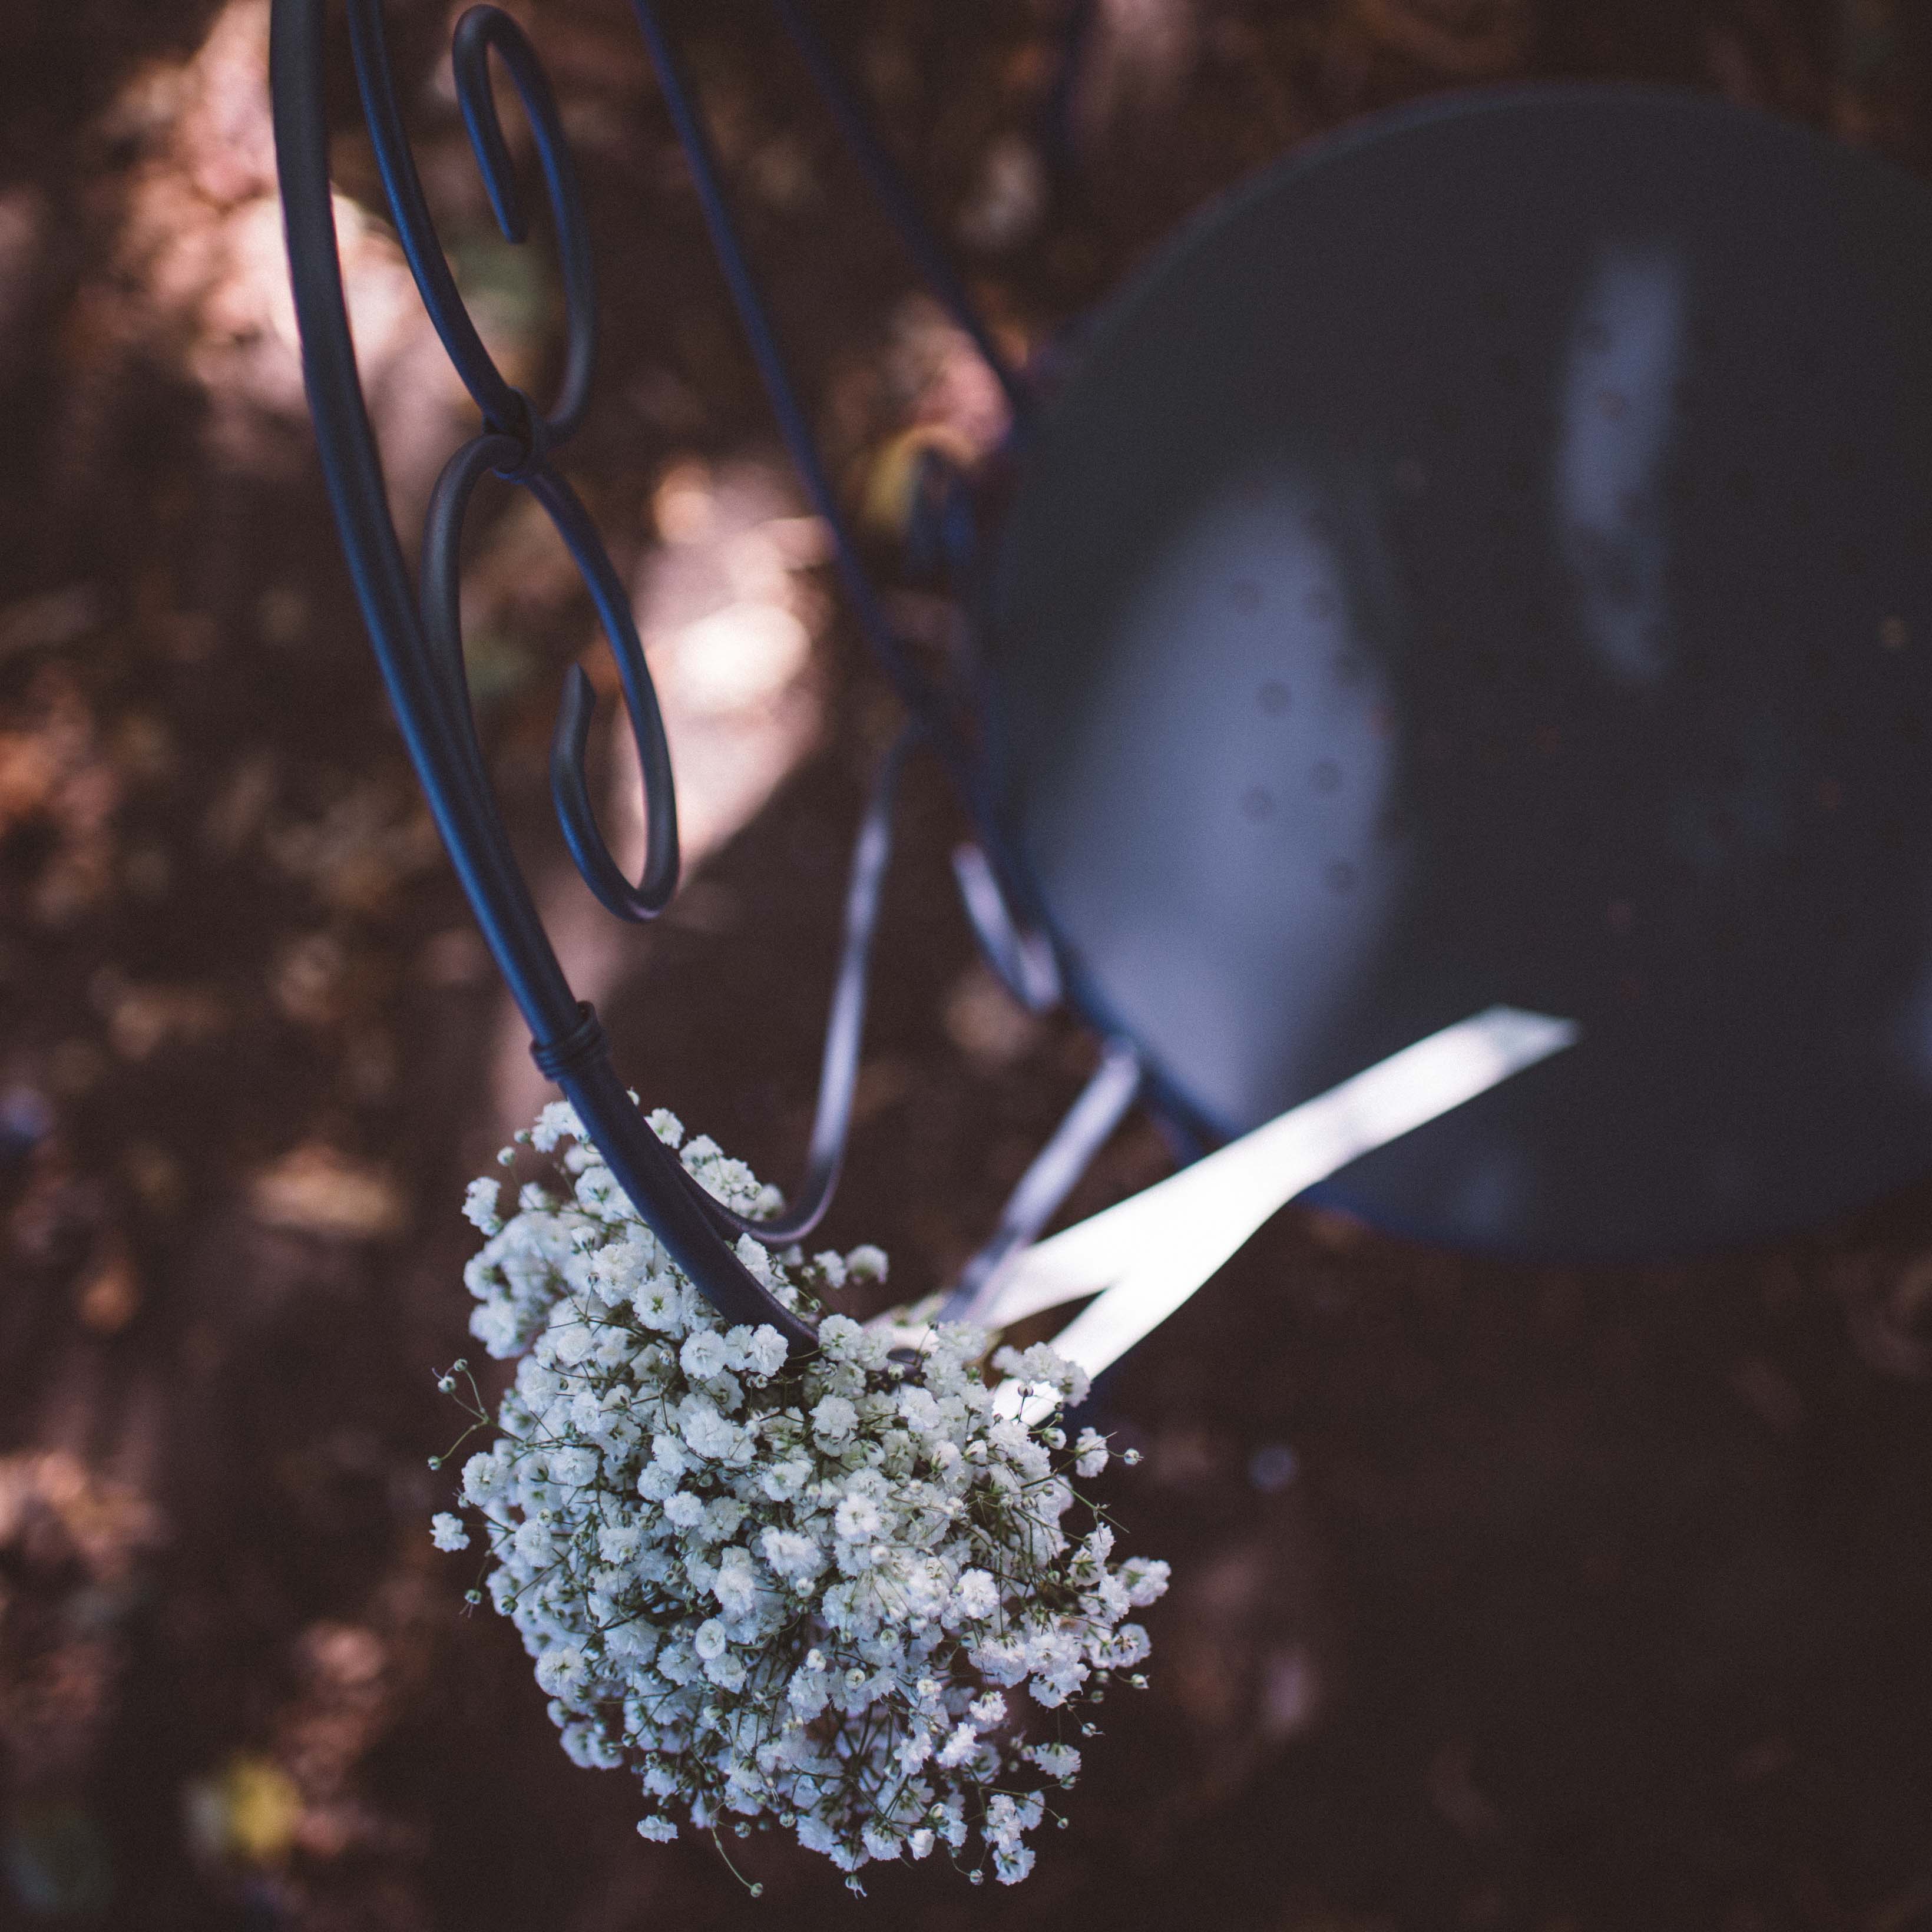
1505, 1597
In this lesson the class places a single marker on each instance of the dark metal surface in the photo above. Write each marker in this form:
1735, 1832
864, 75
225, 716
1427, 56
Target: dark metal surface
1489, 558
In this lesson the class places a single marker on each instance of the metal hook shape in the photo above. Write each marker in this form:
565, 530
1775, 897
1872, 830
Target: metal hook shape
505, 408
441, 600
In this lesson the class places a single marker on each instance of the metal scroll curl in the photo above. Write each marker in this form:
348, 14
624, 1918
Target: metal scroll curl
417, 637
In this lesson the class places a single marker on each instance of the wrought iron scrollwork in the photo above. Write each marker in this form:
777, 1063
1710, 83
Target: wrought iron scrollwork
416, 630
518, 438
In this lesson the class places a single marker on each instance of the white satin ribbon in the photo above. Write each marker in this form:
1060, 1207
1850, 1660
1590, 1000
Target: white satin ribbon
1145, 1256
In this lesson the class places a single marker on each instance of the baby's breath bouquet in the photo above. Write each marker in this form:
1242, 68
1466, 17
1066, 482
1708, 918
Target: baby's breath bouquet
797, 1595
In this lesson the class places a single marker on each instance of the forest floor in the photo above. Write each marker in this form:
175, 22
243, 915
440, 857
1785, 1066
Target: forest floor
1506, 1596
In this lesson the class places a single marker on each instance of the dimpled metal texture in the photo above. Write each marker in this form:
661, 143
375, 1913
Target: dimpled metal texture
1489, 558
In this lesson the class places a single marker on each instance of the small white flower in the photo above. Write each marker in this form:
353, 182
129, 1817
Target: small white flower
736, 1586
1009, 1867
1146, 1580
447, 1532
857, 1517
617, 1542
703, 1355
1041, 1368
959, 1747
807, 1692
661, 1303
789, 1553
556, 1121
479, 1204
834, 1419
561, 1671
765, 1352
781, 1481
587, 1746
727, 1671
976, 1596
714, 1435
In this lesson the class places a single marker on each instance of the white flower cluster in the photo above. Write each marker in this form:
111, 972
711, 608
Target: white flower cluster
790, 1595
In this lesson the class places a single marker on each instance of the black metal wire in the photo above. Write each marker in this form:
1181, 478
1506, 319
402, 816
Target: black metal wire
838, 1068
506, 409
1114, 1088
894, 196
927, 700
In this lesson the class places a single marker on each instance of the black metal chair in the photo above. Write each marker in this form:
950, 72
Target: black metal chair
1487, 558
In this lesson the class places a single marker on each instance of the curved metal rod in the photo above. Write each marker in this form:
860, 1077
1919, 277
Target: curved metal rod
922, 696
479, 31
1103, 1103
903, 211
949, 720
430, 704
441, 603
839, 1066
505, 408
